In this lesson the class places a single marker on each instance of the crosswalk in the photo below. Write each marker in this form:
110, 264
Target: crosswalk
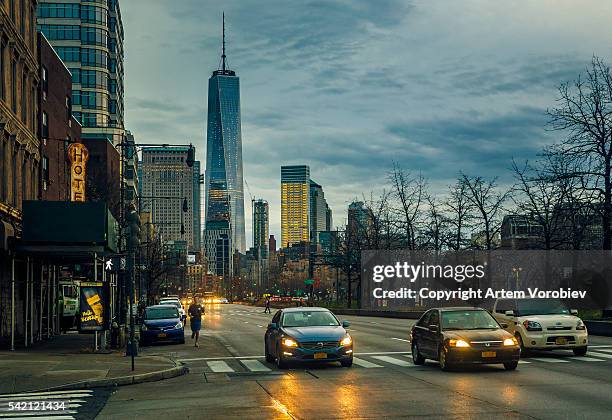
256, 364
53, 405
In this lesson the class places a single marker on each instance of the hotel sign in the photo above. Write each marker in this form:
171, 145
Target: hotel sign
78, 155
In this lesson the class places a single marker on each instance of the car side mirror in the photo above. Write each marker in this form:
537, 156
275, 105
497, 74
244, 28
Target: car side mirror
272, 325
346, 324
574, 311
509, 313
503, 325
433, 328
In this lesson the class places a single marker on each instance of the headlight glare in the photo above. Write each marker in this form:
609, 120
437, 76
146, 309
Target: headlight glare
179, 325
458, 343
346, 341
143, 327
510, 342
289, 342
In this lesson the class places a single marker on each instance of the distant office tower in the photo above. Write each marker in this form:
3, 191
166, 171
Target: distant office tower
360, 219
218, 233
320, 213
261, 229
295, 204
224, 147
197, 208
88, 37
167, 182
272, 245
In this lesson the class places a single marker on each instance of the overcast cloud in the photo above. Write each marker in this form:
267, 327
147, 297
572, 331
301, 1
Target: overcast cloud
350, 86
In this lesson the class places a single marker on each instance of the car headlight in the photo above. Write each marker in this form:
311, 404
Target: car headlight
580, 325
458, 343
143, 327
346, 341
532, 325
510, 342
179, 325
289, 342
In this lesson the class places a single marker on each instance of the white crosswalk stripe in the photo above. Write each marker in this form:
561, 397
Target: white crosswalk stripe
73, 399
600, 355
549, 360
393, 361
586, 359
602, 349
219, 366
365, 363
255, 365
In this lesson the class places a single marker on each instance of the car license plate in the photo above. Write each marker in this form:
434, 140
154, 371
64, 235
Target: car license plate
162, 335
561, 341
320, 355
489, 354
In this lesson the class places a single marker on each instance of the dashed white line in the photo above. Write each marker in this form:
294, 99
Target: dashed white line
400, 339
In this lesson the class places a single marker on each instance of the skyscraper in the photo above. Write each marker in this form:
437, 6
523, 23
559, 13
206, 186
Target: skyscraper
197, 208
224, 149
295, 204
320, 213
167, 182
261, 227
88, 37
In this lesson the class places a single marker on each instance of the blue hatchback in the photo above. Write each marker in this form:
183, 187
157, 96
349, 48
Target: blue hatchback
161, 323
307, 335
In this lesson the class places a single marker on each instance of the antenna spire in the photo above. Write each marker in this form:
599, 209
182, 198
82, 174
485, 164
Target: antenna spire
223, 54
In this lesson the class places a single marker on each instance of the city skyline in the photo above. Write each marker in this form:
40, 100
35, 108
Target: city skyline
347, 94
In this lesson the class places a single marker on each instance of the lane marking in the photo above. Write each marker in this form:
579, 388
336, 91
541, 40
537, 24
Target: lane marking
80, 391
219, 366
394, 361
524, 362
365, 363
400, 339
548, 360
586, 359
604, 350
383, 352
39, 414
602, 355
601, 346
46, 397
255, 365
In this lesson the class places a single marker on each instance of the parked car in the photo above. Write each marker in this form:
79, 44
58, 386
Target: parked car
177, 303
307, 335
161, 323
462, 336
543, 324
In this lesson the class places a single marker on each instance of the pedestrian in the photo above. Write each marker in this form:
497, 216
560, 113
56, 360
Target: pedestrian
195, 319
267, 305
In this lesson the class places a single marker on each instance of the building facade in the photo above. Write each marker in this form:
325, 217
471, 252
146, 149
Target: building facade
261, 227
320, 212
295, 204
197, 207
20, 155
88, 36
224, 148
167, 181
57, 126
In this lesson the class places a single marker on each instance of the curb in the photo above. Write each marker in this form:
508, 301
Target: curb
179, 369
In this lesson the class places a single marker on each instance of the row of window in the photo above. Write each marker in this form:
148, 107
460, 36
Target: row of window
21, 168
22, 92
87, 14
86, 56
87, 35
90, 100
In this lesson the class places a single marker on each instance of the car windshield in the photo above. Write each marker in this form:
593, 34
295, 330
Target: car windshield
468, 320
541, 307
161, 313
170, 302
310, 319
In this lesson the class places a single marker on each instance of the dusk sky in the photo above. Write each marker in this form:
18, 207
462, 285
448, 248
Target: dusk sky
349, 87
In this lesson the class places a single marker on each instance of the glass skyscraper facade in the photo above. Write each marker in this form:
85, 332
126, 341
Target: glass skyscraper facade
295, 204
224, 151
88, 37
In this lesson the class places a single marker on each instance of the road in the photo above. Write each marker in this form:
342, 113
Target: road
229, 378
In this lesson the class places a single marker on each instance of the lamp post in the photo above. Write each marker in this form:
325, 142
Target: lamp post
517, 272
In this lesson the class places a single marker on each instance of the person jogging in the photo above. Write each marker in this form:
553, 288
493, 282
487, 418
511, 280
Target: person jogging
267, 302
195, 319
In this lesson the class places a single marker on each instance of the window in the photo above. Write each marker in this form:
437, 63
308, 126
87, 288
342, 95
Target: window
45, 125
24, 98
59, 10
61, 32
435, 318
424, 321
14, 84
3, 178
2, 70
22, 16
45, 82
12, 8
69, 54
45, 172
15, 174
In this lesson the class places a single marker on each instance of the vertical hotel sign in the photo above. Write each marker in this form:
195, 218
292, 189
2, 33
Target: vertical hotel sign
78, 155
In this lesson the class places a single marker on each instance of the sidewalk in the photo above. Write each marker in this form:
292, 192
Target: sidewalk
67, 362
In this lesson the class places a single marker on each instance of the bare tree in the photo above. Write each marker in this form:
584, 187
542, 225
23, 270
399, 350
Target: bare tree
459, 209
584, 110
488, 205
410, 193
435, 233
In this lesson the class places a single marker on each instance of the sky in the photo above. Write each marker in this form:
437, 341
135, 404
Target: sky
349, 87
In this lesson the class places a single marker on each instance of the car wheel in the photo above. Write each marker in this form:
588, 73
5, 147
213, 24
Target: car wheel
347, 363
280, 361
511, 365
444, 365
580, 351
269, 357
417, 358
524, 350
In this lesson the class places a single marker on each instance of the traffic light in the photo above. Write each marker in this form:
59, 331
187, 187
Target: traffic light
133, 229
190, 156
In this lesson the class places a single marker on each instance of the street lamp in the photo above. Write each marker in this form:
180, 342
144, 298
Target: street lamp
517, 271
